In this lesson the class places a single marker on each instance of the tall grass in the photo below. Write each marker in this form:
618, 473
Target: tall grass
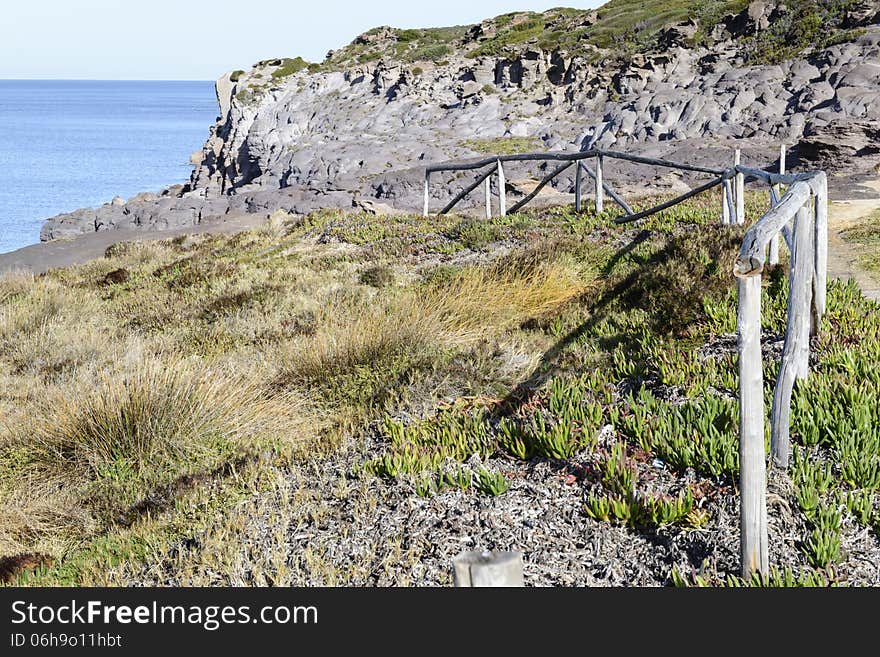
451, 313
171, 416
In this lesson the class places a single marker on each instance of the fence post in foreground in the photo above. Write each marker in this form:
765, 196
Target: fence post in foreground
797, 336
740, 192
577, 187
502, 191
600, 186
427, 183
481, 569
725, 209
488, 187
752, 459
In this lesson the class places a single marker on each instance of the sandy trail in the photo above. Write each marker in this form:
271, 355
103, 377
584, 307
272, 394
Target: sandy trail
41, 257
843, 257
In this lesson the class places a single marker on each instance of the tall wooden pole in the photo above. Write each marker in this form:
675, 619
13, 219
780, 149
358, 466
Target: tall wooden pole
488, 189
740, 190
773, 255
821, 229
577, 187
729, 204
752, 459
725, 208
427, 183
502, 191
795, 352
600, 186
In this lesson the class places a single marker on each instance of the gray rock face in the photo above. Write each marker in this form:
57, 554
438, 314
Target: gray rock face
321, 139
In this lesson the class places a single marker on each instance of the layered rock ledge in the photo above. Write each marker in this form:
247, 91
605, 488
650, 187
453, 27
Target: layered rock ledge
296, 138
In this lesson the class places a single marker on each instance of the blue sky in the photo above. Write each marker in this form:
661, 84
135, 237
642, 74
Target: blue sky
192, 40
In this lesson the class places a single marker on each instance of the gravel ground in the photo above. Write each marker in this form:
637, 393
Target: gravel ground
332, 527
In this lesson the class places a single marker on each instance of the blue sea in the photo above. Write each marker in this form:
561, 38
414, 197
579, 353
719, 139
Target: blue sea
71, 144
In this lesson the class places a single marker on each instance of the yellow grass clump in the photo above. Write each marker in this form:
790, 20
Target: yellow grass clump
451, 313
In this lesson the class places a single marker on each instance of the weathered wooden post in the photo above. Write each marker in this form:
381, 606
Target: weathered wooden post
600, 186
725, 208
427, 184
577, 187
808, 276
480, 569
729, 213
797, 335
820, 221
740, 189
488, 188
502, 191
752, 459
773, 255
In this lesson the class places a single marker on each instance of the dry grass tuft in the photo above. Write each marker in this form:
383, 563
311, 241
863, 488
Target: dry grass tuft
13, 284
156, 416
454, 312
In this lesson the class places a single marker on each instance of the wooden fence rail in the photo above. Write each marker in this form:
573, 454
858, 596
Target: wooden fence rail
800, 217
496, 164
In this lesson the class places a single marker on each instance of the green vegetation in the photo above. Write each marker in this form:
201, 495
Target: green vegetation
420, 45
621, 29
377, 276
475, 233
866, 234
288, 67
650, 315
235, 76
519, 29
501, 145
430, 53
808, 24
776, 578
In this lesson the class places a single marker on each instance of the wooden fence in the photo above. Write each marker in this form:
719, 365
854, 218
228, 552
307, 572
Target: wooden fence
799, 216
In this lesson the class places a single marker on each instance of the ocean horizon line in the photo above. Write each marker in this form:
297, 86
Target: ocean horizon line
31, 79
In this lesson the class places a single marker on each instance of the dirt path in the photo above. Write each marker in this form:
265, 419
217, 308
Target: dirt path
38, 258
843, 257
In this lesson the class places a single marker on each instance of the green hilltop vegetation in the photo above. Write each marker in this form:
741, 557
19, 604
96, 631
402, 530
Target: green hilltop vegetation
615, 30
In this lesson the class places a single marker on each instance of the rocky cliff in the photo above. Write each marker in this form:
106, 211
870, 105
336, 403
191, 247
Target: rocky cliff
358, 128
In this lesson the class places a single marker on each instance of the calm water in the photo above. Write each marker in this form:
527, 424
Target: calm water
72, 144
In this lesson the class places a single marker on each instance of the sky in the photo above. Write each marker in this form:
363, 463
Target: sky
199, 40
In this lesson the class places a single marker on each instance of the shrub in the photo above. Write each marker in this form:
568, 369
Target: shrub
431, 53
377, 276
235, 76
405, 36
155, 419
475, 234
289, 66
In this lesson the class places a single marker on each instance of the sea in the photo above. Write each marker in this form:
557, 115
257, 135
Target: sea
68, 144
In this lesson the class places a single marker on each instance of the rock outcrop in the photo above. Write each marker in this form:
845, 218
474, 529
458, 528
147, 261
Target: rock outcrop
295, 138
